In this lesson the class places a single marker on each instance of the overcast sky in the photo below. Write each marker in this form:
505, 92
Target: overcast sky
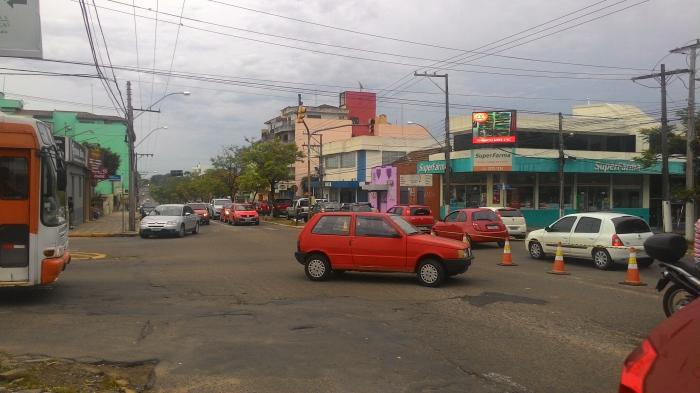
221, 113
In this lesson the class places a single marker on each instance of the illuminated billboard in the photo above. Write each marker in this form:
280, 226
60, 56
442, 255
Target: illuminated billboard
495, 127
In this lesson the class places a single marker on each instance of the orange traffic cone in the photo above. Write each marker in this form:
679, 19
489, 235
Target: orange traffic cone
633, 271
558, 267
507, 256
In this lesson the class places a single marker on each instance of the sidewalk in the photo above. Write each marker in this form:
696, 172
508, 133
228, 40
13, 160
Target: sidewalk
105, 226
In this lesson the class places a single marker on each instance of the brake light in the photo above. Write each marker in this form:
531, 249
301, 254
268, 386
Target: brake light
636, 368
616, 242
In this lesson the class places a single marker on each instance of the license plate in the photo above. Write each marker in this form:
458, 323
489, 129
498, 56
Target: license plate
513, 227
492, 227
156, 229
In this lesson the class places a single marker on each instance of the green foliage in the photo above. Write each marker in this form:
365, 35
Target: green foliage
228, 166
271, 160
253, 168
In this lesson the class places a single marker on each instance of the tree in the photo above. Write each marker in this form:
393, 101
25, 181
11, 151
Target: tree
250, 180
271, 160
228, 165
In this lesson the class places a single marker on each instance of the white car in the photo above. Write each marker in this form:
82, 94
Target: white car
603, 237
170, 219
513, 219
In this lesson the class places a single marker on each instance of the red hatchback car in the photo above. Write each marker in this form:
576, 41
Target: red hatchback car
243, 213
419, 216
377, 242
667, 361
478, 225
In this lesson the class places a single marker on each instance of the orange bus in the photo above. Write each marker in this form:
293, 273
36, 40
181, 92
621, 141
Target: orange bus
33, 228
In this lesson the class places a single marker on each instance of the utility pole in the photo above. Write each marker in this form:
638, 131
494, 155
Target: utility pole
665, 182
301, 113
320, 164
132, 158
690, 140
561, 165
448, 146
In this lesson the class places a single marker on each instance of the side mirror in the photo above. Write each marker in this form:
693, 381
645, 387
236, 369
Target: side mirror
188, 214
548, 228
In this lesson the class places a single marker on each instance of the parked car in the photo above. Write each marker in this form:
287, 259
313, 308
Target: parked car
244, 213
225, 214
603, 237
262, 207
218, 204
357, 207
280, 205
201, 209
478, 225
170, 219
667, 360
513, 219
377, 242
146, 208
419, 216
324, 207
301, 208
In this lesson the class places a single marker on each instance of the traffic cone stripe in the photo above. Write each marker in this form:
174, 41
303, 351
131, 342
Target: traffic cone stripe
558, 267
507, 256
632, 277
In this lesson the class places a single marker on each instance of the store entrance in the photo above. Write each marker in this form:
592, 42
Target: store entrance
592, 198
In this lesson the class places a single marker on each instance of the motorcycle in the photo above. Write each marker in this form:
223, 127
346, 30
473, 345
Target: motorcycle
669, 248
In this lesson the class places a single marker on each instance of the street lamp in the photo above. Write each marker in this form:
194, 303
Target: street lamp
426, 130
184, 93
149, 134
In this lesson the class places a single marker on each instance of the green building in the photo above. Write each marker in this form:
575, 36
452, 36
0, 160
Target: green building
107, 131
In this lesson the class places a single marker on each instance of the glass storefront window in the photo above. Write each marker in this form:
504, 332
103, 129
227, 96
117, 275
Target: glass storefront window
521, 196
549, 197
627, 198
470, 195
593, 198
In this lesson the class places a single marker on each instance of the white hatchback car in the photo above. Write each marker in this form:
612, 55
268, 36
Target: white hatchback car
513, 219
603, 237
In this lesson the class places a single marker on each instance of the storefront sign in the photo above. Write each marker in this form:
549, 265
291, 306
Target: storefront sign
416, 180
431, 167
488, 160
496, 127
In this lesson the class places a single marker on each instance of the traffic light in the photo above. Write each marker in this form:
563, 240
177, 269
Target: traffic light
301, 114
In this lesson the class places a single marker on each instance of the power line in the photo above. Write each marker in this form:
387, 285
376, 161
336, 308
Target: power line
109, 58
422, 43
354, 57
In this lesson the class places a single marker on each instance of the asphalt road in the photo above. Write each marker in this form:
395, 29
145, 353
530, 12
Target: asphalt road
230, 310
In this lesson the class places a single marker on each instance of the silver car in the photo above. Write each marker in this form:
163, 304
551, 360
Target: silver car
170, 220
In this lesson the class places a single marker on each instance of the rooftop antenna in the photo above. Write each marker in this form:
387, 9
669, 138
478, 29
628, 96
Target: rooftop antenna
588, 100
361, 87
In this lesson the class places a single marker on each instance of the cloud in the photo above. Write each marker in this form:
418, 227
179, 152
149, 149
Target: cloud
217, 114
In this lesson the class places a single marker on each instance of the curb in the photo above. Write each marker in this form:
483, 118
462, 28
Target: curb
284, 225
103, 234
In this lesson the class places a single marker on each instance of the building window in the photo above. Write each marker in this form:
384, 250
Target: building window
390, 156
313, 116
403, 196
332, 161
549, 190
347, 160
520, 190
420, 195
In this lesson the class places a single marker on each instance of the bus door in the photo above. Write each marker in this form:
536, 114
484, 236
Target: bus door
14, 214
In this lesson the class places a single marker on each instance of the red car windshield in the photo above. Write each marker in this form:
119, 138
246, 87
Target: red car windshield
243, 207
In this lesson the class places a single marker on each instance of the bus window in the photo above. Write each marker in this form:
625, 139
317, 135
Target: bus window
52, 213
14, 181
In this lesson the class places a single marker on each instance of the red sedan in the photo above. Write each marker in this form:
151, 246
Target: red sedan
243, 213
476, 225
377, 242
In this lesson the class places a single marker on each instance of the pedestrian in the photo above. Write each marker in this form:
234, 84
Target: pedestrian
70, 212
